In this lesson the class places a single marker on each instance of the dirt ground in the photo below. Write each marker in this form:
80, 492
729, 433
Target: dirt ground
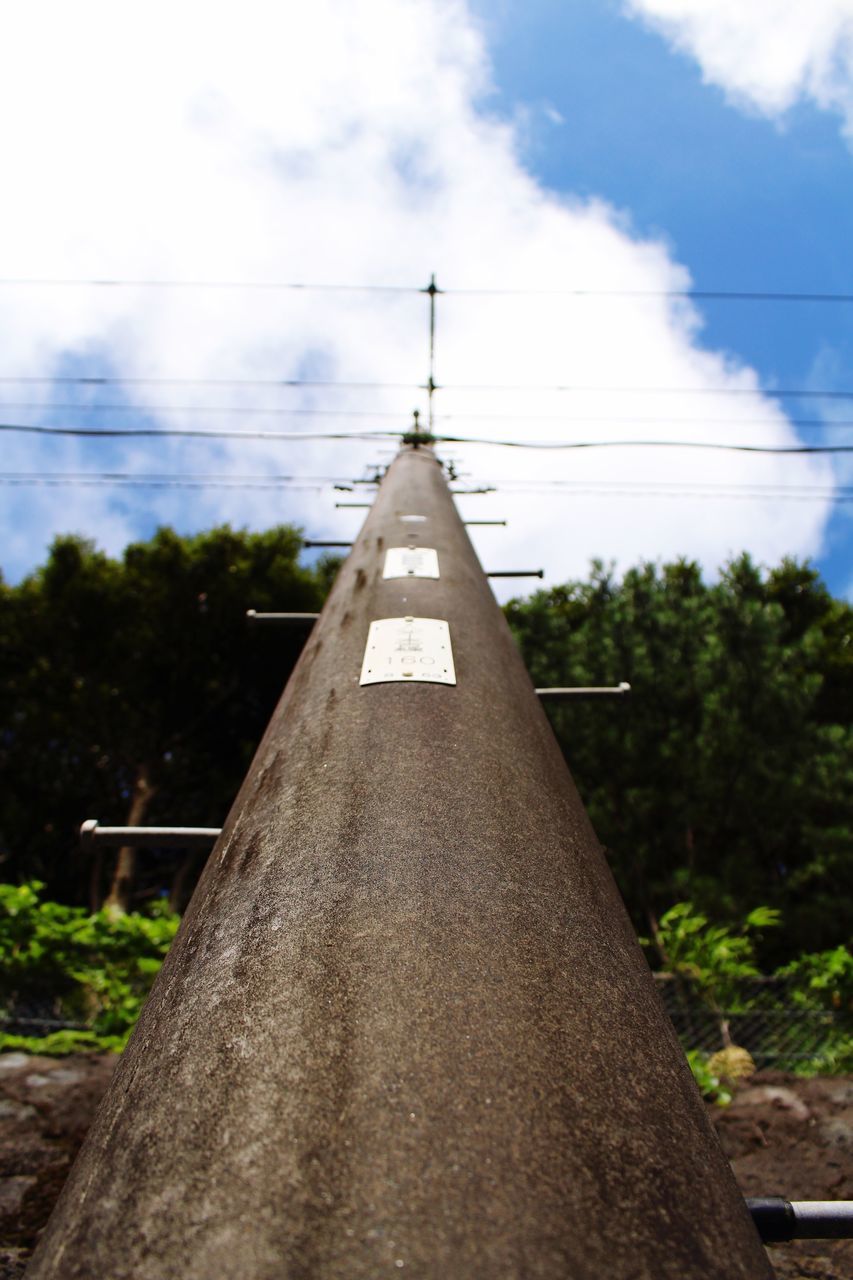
783, 1135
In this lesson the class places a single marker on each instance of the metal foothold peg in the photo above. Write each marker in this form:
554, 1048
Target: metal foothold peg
87, 833
294, 619
777, 1219
167, 837
622, 690
515, 573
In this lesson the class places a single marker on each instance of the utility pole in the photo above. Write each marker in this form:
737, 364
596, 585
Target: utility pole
405, 1025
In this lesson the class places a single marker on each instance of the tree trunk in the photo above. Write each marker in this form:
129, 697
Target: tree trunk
96, 868
178, 895
118, 898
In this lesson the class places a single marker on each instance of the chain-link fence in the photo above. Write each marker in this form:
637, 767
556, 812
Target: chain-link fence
775, 1030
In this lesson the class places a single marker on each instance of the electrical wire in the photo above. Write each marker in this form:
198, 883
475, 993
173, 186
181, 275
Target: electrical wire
16, 282
727, 295
209, 433
96, 380
832, 499
177, 475
224, 434
130, 483
257, 411
769, 392
634, 421
713, 295
237, 410
542, 485
316, 484
648, 444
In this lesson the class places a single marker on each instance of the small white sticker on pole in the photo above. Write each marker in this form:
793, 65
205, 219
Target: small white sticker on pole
408, 649
410, 562
413, 519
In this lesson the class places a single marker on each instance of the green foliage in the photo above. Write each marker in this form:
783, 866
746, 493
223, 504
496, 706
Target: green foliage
112, 670
58, 1044
710, 1085
715, 958
823, 982
725, 777
717, 963
95, 968
824, 979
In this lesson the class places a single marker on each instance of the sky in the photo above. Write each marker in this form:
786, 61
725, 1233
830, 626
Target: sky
576, 174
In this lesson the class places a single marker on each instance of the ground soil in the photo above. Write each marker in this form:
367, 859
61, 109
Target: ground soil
783, 1136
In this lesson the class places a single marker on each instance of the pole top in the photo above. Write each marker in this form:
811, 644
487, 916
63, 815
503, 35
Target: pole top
417, 436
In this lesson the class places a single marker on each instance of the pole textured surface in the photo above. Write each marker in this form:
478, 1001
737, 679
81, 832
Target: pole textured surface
405, 1028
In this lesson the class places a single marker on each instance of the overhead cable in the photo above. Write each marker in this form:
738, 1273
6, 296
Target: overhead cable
599, 489
507, 486
96, 380
648, 444
212, 432
287, 286
258, 411
225, 434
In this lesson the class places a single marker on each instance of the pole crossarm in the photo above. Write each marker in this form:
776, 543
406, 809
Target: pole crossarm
324, 542
405, 1026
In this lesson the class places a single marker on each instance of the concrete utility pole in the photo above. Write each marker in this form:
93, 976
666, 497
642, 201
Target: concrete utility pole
405, 1026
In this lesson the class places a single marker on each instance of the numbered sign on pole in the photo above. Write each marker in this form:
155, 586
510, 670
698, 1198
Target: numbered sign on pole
410, 562
408, 649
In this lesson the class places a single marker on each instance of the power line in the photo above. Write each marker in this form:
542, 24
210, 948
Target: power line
653, 492
236, 477
237, 410
225, 434
649, 444
725, 295
96, 380
698, 493
770, 392
507, 486
132, 483
284, 286
654, 420
314, 483
257, 411
714, 295
213, 432
92, 380
825, 490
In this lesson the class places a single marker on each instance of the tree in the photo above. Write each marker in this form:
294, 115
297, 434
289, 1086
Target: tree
133, 691
725, 777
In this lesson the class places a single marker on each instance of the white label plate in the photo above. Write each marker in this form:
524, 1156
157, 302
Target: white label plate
413, 519
408, 649
410, 562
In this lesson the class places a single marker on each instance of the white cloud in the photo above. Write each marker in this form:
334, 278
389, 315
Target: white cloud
345, 141
766, 54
